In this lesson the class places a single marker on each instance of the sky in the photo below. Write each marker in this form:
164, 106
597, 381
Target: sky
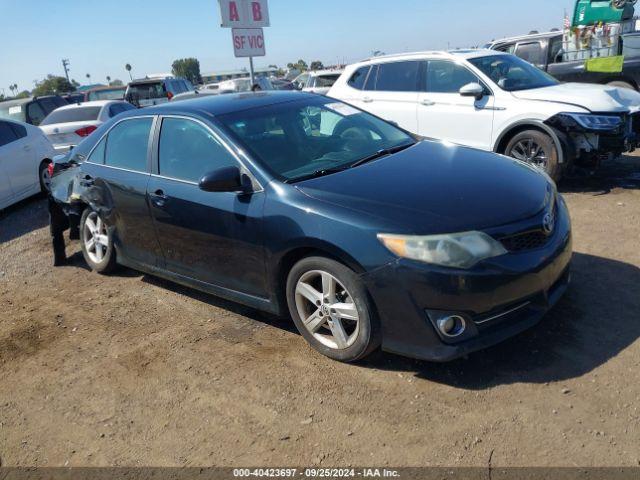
99, 37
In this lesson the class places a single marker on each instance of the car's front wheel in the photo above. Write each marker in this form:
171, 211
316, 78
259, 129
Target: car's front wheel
97, 242
331, 309
537, 149
44, 176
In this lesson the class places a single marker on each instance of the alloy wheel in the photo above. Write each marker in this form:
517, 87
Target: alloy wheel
327, 309
529, 151
45, 179
95, 237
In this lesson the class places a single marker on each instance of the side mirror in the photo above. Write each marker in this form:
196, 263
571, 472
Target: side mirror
227, 179
472, 90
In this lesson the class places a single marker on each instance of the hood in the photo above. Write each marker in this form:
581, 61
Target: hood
595, 98
437, 187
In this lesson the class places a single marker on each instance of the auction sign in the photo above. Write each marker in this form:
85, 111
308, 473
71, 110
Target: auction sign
244, 13
248, 42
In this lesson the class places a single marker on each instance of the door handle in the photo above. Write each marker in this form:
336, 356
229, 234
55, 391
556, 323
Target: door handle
428, 103
26, 147
158, 198
367, 100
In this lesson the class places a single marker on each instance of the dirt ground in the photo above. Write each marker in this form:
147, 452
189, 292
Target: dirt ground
129, 370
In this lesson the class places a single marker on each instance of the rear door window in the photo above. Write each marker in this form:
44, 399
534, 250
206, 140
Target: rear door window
398, 77
19, 130
358, 78
127, 145
68, 115
530, 52
7, 135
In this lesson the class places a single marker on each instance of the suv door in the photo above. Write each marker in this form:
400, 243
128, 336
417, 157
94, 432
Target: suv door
446, 115
391, 92
214, 238
117, 174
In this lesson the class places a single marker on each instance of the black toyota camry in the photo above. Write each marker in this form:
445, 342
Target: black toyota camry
307, 207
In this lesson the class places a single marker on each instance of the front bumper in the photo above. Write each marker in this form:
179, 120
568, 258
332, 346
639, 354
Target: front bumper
498, 298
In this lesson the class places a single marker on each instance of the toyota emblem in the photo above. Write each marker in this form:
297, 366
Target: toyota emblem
548, 224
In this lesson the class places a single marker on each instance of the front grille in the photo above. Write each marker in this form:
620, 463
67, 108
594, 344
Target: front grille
525, 241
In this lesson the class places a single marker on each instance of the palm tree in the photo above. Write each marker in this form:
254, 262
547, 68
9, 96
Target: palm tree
88, 77
127, 67
108, 79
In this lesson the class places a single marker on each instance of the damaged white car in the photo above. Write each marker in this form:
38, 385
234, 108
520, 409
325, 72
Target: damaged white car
496, 101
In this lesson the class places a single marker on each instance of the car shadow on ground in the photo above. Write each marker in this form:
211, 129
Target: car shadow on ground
23, 217
622, 173
595, 321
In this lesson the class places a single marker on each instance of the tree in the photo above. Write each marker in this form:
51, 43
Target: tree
116, 83
127, 67
188, 68
88, 75
24, 94
108, 80
300, 65
53, 85
317, 65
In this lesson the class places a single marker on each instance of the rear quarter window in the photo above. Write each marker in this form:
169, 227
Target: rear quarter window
358, 78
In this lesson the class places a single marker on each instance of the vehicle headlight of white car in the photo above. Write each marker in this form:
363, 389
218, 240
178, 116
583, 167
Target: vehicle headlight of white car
457, 250
591, 122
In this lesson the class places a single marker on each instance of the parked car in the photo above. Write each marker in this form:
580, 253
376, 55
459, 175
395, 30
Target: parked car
105, 93
282, 84
498, 102
210, 86
25, 154
68, 125
31, 110
319, 81
545, 51
362, 234
238, 85
154, 91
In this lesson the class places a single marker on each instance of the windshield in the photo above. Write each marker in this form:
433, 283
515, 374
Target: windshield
68, 115
311, 137
111, 94
512, 74
13, 112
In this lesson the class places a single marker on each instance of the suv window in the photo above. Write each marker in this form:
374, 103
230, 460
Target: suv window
509, 48
35, 113
127, 144
7, 135
324, 81
555, 50
444, 76
530, 52
47, 104
398, 77
13, 112
188, 150
358, 78
146, 91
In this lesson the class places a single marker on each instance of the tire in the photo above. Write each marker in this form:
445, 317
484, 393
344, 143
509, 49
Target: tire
621, 84
347, 334
43, 177
101, 257
524, 146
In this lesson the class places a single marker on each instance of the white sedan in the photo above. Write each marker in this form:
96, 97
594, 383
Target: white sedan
25, 154
67, 126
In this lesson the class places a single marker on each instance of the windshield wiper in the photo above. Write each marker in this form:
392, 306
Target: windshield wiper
318, 173
382, 153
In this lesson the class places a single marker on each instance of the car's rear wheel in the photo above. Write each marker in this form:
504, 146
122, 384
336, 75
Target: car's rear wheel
537, 149
331, 309
97, 242
44, 177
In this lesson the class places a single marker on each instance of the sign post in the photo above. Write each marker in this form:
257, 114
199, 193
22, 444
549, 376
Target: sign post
246, 18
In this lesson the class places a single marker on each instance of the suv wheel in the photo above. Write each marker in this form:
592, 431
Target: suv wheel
331, 309
537, 149
97, 242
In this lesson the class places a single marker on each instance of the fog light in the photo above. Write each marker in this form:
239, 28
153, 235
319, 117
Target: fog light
452, 326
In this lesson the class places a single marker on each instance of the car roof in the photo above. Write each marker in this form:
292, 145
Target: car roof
531, 36
94, 103
450, 54
17, 101
223, 104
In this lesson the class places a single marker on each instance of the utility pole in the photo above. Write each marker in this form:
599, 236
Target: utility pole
65, 65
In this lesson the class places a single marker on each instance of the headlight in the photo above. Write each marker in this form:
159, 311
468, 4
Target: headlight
594, 122
458, 250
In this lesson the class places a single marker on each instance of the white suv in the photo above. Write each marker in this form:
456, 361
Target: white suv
318, 81
495, 101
